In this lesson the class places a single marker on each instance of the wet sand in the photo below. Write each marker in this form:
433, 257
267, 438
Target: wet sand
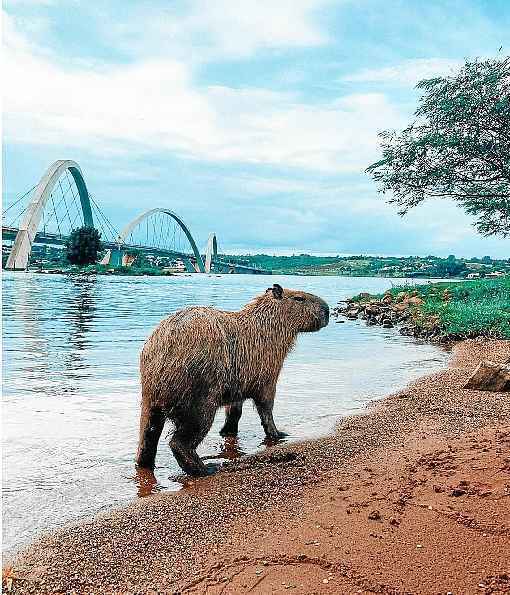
411, 497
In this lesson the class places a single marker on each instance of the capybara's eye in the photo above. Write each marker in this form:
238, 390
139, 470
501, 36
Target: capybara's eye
298, 298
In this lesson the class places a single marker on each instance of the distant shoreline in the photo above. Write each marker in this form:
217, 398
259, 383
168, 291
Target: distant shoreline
394, 267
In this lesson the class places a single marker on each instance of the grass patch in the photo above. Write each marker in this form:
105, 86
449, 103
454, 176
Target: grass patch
464, 309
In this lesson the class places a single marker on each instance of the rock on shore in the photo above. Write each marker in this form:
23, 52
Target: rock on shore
391, 311
490, 376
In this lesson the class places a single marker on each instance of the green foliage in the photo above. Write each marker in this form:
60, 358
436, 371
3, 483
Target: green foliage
370, 266
82, 246
450, 268
294, 264
458, 146
469, 309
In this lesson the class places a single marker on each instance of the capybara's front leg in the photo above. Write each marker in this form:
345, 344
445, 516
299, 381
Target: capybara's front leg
264, 406
152, 420
232, 416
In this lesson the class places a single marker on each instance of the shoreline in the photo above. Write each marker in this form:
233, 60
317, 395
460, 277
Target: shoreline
120, 273
277, 520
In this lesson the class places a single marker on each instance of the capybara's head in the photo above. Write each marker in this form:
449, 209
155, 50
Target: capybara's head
304, 312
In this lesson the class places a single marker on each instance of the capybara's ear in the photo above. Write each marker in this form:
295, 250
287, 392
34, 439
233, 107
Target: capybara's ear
277, 291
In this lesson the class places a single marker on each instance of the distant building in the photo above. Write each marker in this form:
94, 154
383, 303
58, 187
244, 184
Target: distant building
128, 259
176, 266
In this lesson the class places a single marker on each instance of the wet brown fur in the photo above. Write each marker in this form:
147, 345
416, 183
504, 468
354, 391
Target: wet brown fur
200, 359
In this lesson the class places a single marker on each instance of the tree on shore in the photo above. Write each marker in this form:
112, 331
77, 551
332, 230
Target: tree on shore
82, 245
458, 146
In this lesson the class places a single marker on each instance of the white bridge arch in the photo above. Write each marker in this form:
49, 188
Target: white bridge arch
20, 252
124, 234
26, 233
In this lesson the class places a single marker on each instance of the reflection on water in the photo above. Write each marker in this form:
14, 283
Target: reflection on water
147, 483
229, 450
71, 387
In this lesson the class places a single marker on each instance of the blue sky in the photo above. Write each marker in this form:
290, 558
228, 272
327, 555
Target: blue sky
254, 119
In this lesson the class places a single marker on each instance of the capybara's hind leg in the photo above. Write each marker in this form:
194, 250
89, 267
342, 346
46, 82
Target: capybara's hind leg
191, 427
232, 416
152, 420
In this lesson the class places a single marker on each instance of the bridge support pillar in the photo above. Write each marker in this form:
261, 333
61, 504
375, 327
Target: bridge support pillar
20, 251
116, 258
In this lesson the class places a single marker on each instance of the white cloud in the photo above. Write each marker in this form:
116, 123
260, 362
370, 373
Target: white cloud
357, 196
261, 127
239, 29
14, 3
144, 104
154, 105
267, 186
211, 29
406, 73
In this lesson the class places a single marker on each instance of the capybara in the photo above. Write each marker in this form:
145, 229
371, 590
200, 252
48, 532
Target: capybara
200, 359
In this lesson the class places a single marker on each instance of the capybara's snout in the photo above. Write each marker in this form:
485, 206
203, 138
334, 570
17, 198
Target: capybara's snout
321, 315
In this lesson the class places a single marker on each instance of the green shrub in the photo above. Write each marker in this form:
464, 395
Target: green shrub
474, 308
83, 245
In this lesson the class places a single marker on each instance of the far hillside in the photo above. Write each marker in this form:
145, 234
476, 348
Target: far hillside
377, 266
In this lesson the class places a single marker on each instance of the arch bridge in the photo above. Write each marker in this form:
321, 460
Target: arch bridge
61, 202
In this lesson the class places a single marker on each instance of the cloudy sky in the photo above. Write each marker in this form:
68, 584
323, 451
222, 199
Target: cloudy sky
252, 118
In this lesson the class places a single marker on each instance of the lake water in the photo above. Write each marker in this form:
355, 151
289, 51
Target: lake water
71, 388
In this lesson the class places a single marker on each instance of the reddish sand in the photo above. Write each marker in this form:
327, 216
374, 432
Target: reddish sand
430, 517
412, 497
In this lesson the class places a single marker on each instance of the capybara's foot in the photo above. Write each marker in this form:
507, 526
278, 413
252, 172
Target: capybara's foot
233, 414
201, 470
189, 461
145, 462
229, 430
205, 471
152, 421
275, 437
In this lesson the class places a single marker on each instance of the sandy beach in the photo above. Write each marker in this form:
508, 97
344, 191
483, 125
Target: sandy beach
411, 497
